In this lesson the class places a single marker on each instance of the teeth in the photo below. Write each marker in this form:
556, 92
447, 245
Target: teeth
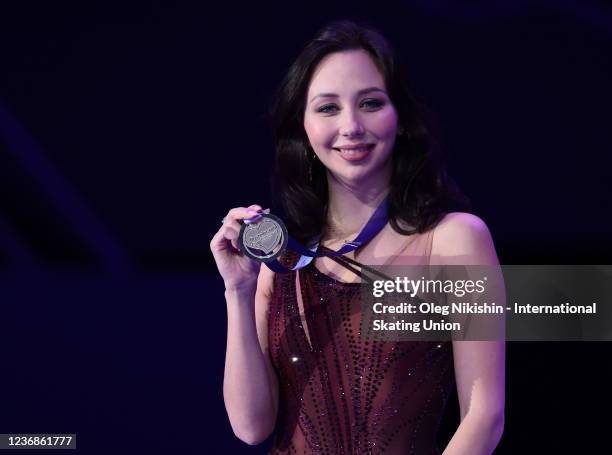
354, 151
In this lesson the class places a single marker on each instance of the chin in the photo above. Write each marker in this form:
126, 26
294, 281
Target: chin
356, 176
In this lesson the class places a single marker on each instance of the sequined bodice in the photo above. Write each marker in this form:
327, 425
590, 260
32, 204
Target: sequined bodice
343, 395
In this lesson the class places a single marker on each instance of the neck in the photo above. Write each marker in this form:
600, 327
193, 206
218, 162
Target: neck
351, 206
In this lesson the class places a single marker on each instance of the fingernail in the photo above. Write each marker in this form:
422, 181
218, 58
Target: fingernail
251, 212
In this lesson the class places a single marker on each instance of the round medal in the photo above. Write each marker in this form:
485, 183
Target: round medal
264, 240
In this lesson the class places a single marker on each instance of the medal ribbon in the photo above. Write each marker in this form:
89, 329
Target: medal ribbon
374, 225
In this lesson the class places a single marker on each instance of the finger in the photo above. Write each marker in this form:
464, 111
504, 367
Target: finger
222, 244
240, 213
219, 242
255, 207
223, 237
232, 234
257, 217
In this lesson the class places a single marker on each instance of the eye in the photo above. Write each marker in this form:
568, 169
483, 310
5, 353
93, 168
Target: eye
325, 108
373, 104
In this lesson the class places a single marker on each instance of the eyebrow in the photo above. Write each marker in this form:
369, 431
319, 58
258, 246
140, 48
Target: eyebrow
360, 92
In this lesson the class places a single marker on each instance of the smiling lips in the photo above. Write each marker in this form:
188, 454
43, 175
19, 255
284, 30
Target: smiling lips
355, 152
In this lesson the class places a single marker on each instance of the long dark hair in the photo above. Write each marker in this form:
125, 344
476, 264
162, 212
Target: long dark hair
420, 190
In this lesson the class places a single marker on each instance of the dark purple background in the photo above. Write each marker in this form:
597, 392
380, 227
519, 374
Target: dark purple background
127, 132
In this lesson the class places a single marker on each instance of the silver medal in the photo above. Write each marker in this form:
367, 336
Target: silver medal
264, 240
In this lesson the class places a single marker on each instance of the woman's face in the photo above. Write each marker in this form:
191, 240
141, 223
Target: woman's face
347, 105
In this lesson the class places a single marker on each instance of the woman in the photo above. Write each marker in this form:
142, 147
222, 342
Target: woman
348, 136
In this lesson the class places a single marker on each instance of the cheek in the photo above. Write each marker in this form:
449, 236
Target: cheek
386, 123
318, 132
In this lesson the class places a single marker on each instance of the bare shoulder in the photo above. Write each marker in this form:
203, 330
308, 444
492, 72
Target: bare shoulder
462, 237
460, 224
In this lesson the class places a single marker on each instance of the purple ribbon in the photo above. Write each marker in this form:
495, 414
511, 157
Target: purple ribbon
374, 225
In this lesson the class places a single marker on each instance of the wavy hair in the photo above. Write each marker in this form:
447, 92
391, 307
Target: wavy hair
421, 192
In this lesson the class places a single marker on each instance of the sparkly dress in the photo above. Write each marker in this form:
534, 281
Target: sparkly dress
342, 395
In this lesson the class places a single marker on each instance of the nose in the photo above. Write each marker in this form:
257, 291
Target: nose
351, 125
